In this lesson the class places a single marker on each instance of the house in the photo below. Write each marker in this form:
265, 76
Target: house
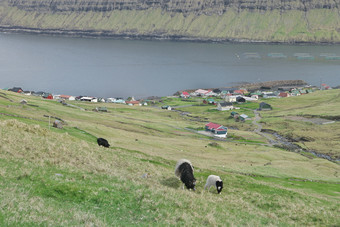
233, 114
39, 93
270, 95
28, 92
240, 99
240, 92
202, 92
231, 98
88, 99
133, 103
47, 96
216, 129
209, 101
265, 106
16, 89
258, 93
243, 117
284, 94
65, 97
255, 97
166, 107
116, 100
185, 95
217, 91
222, 106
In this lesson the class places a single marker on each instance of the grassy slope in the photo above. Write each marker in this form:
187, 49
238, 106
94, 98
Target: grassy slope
320, 25
322, 138
104, 187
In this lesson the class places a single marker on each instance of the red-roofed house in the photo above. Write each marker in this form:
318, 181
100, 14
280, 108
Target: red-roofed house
185, 95
133, 103
284, 94
241, 91
216, 129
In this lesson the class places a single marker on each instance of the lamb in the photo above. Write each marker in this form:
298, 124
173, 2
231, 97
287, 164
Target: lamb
185, 172
216, 181
103, 142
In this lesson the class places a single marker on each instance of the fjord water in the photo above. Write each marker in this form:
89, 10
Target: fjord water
122, 68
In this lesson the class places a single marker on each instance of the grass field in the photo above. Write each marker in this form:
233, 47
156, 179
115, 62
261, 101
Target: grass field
59, 177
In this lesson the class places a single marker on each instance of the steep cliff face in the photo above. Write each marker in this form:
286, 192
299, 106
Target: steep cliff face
178, 6
252, 20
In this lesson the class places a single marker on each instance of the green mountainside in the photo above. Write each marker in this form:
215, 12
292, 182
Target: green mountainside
219, 20
61, 177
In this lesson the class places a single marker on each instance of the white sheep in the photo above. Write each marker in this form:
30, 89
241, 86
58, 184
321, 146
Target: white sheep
216, 181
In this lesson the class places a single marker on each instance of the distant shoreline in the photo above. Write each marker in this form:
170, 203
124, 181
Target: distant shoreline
110, 35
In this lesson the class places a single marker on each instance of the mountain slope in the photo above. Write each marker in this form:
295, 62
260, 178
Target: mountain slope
270, 21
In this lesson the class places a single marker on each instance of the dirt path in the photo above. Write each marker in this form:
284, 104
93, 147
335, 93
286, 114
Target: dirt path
259, 129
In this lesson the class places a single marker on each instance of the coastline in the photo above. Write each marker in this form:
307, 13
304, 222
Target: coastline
107, 34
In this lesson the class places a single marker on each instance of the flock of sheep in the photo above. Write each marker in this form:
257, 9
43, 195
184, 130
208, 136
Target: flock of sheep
185, 172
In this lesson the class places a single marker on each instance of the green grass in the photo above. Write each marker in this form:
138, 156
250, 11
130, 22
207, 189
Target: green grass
62, 177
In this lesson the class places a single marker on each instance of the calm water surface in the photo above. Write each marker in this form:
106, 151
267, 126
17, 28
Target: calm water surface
111, 68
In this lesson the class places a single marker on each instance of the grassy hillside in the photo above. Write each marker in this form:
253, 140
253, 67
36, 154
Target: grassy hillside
174, 20
61, 176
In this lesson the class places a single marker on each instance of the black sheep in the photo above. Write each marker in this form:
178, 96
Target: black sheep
185, 172
103, 142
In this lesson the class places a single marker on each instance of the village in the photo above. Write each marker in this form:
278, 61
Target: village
229, 100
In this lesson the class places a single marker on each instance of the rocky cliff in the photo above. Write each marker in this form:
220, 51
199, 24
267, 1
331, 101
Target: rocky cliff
239, 20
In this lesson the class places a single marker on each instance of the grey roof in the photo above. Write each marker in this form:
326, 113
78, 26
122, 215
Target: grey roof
224, 104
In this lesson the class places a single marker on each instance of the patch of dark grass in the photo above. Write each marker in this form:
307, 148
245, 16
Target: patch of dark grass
212, 111
171, 182
214, 144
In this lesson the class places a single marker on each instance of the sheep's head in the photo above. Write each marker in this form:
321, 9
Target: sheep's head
219, 186
191, 184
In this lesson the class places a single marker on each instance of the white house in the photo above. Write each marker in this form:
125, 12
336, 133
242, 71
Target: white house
231, 98
64, 97
88, 99
225, 106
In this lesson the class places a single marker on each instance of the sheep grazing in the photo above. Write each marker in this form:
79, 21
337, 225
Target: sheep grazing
214, 181
103, 142
185, 172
